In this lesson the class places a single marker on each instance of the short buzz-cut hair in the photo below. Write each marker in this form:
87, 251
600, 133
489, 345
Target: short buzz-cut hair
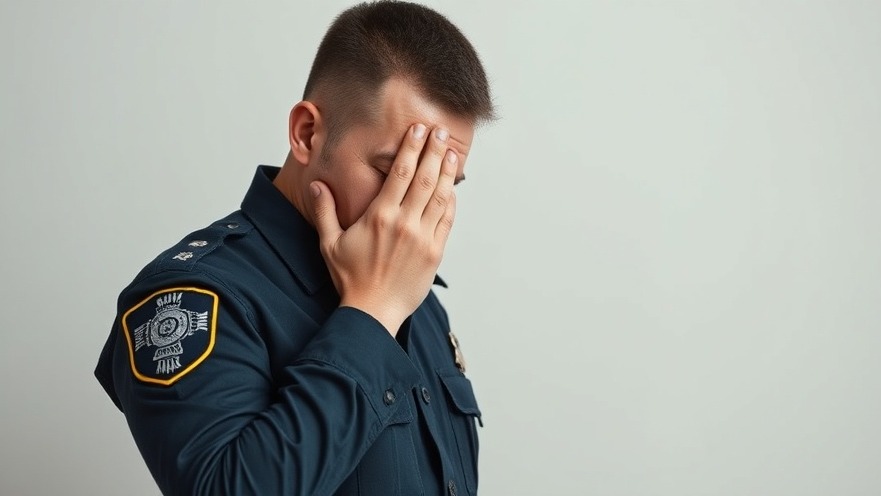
370, 43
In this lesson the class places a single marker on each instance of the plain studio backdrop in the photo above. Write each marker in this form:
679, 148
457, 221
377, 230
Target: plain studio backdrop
665, 268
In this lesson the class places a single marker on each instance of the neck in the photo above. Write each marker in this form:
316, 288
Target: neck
289, 182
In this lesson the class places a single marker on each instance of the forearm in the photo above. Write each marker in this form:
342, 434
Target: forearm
233, 426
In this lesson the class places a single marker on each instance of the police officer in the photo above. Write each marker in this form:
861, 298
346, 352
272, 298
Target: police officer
295, 346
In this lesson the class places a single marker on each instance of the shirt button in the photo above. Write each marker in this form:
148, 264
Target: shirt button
232, 226
426, 397
452, 487
389, 397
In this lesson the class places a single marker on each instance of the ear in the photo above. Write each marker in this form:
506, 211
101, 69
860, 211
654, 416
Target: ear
305, 127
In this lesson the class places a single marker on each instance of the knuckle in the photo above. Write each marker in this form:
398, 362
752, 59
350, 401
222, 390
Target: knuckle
403, 229
434, 256
402, 171
426, 182
382, 219
449, 170
447, 220
440, 199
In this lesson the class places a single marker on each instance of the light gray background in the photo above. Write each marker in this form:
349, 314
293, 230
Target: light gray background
665, 270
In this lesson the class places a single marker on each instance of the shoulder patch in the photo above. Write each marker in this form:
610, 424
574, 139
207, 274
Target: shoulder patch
170, 333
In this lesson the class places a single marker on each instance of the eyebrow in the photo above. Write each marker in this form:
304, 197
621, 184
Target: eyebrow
388, 157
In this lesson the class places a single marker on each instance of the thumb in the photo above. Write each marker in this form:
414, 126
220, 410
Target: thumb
324, 212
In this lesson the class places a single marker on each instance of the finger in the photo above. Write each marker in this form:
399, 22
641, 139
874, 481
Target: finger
324, 213
443, 191
425, 179
445, 224
401, 174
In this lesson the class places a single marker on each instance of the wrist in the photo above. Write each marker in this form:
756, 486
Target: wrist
389, 319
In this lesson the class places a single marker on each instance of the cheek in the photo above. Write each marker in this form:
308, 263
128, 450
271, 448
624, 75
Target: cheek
354, 194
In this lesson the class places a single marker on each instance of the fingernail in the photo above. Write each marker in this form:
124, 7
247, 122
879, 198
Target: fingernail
451, 157
419, 131
315, 190
442, 134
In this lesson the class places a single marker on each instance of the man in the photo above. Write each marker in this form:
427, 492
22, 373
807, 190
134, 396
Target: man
295, 346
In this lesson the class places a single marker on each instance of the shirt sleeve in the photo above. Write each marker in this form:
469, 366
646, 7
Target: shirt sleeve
232, 424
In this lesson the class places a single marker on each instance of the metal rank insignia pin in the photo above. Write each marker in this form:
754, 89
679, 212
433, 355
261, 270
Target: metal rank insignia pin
457, 352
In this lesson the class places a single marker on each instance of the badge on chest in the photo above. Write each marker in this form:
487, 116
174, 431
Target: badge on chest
457, 352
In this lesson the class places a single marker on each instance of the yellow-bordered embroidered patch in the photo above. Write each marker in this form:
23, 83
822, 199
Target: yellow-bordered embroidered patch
166, 341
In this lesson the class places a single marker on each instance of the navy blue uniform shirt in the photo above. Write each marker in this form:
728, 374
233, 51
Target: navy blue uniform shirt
238, 372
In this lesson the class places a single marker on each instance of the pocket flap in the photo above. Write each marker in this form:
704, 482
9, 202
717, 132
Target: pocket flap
459, 388
403, 414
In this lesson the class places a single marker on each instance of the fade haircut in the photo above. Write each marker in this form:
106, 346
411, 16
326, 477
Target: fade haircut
370, 43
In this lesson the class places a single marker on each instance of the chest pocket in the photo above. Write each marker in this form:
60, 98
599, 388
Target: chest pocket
463, 416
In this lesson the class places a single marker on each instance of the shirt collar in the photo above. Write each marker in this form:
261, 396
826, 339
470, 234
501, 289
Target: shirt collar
294, 240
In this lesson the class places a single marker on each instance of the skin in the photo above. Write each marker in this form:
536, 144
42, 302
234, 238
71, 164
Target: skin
382, 198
